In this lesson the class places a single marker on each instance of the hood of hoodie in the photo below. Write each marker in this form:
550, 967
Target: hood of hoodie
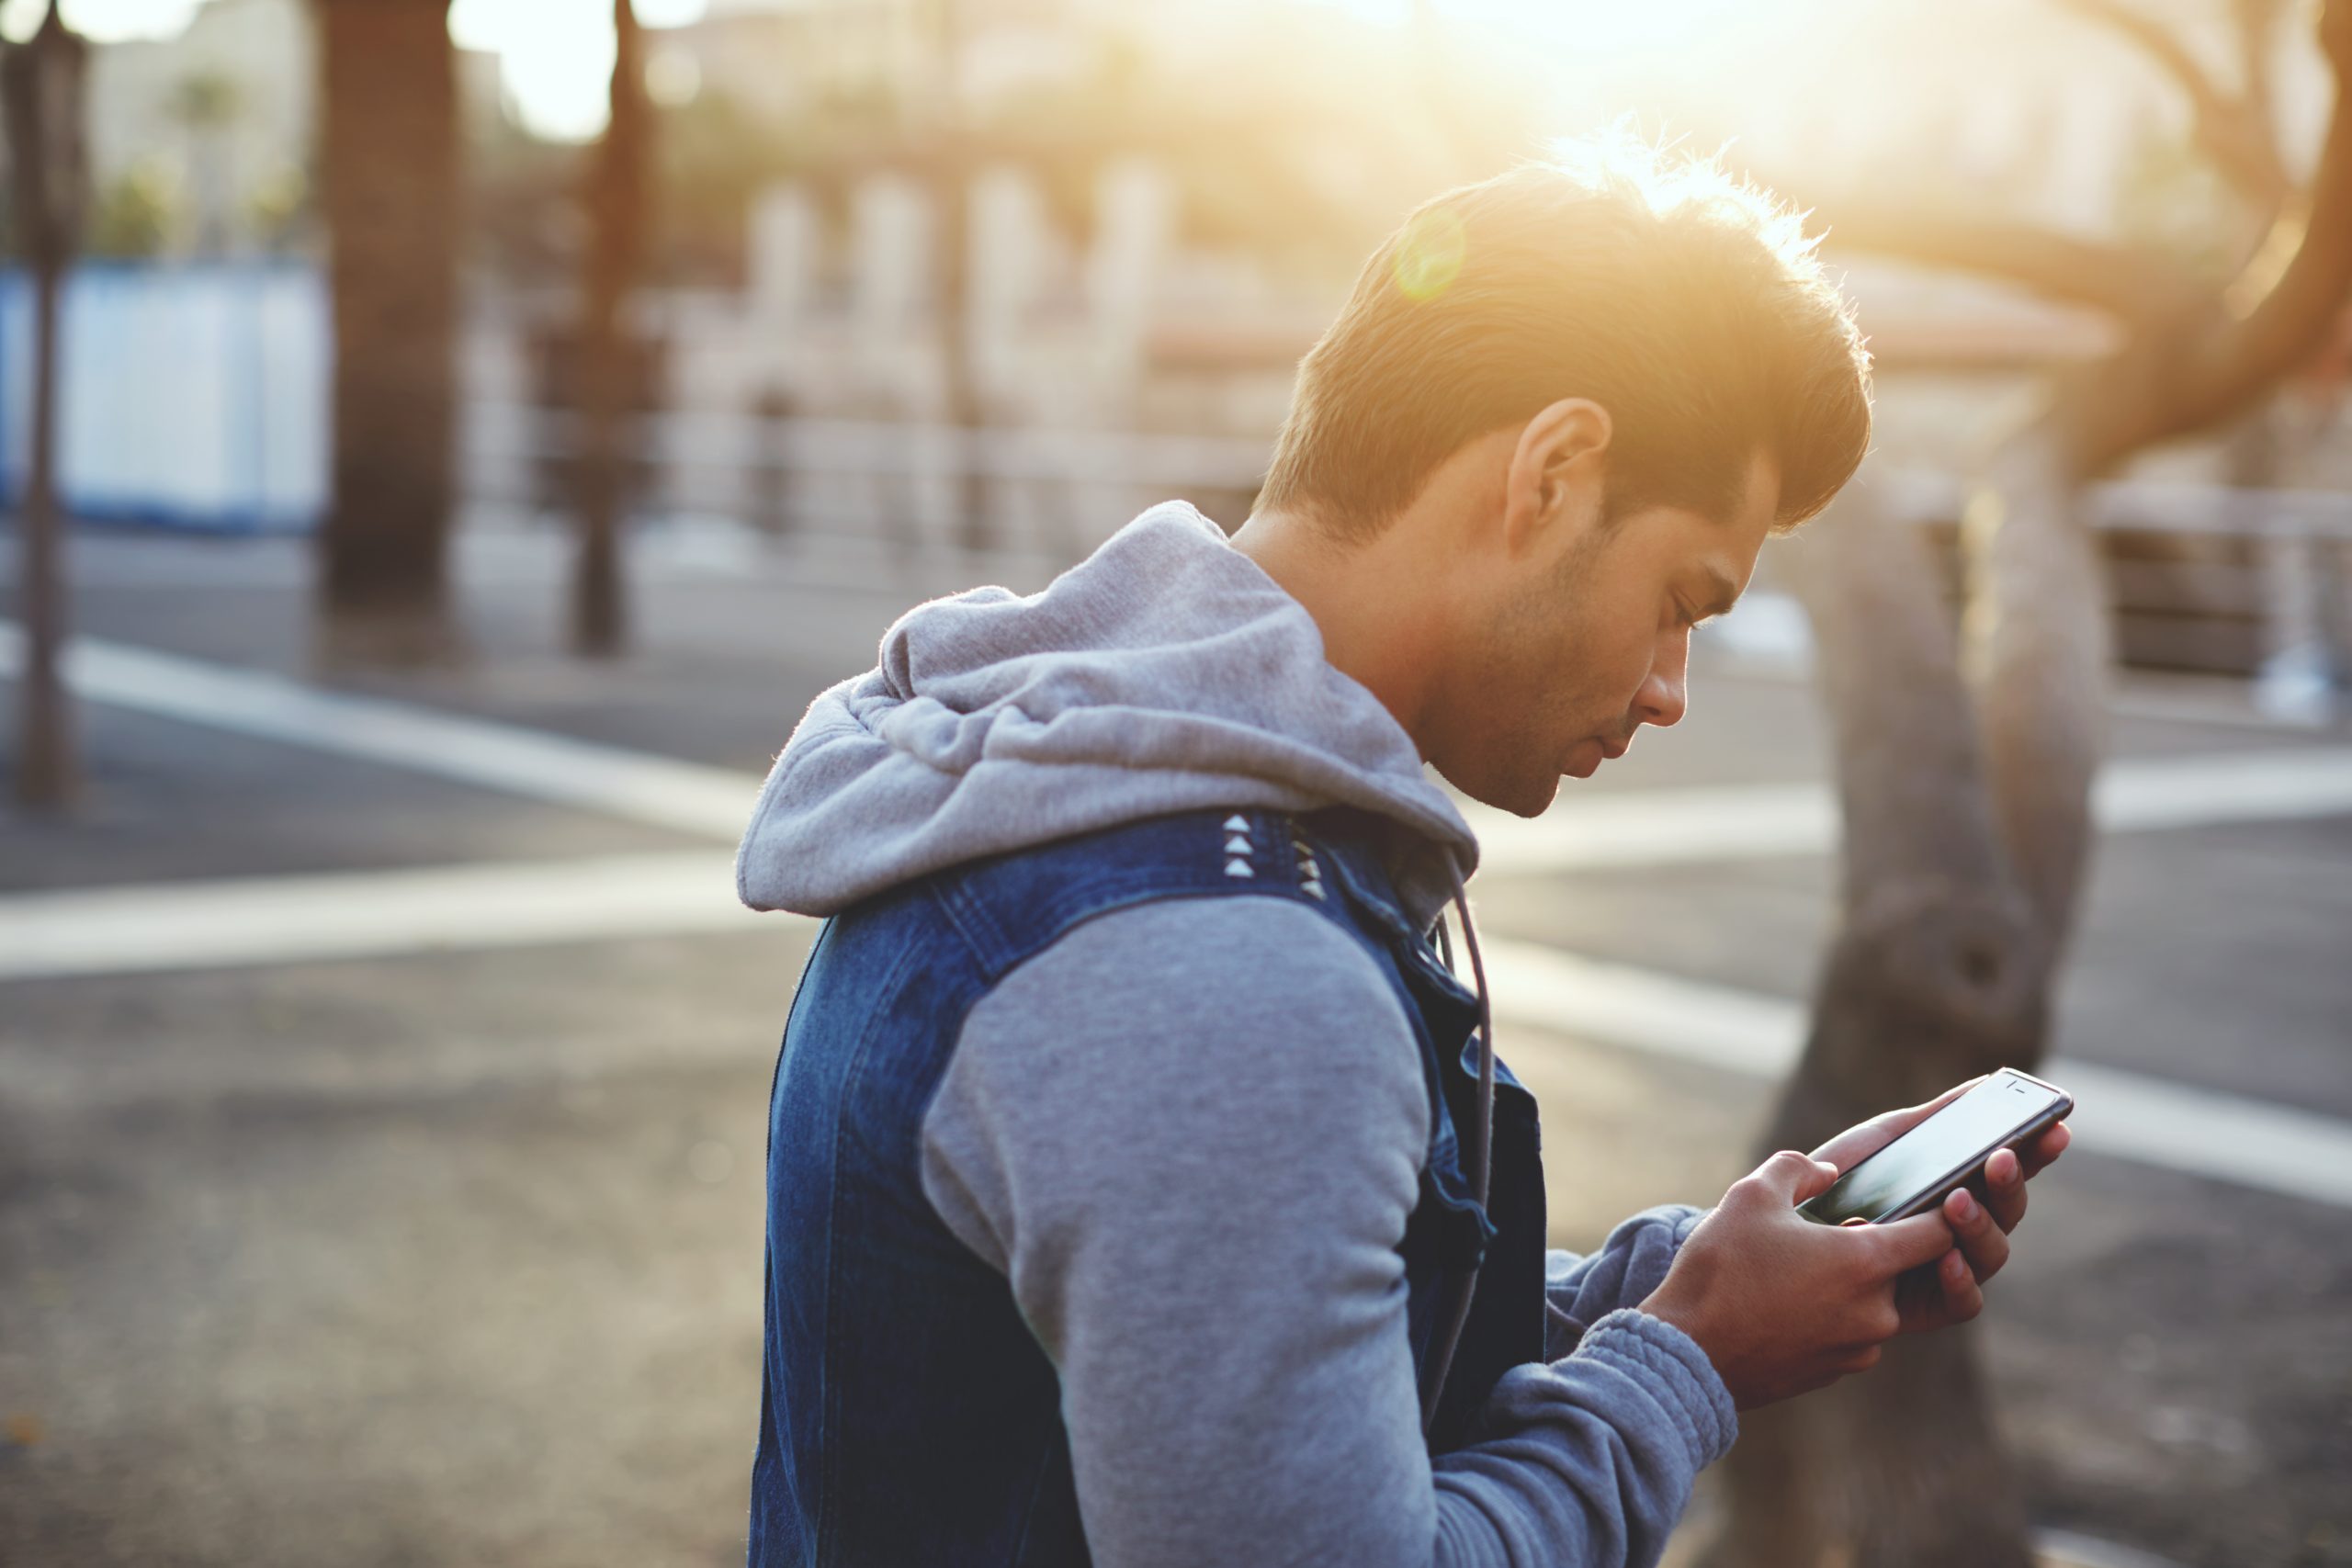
1165, 673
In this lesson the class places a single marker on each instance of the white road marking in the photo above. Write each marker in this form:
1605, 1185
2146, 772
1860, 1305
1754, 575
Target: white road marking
1660, 827
1681, 826
634, 786
365, 914
1716, 1026
1668, 827
2244, 786
384, 914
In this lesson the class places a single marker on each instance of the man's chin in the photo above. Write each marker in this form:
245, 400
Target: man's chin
1525, 794
1522, 797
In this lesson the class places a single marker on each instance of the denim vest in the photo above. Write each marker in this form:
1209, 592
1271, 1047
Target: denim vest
908, 1415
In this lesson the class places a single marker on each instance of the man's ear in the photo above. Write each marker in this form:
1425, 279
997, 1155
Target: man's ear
1559, 473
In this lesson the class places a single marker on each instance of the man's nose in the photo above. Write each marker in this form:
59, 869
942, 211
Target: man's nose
1663, 698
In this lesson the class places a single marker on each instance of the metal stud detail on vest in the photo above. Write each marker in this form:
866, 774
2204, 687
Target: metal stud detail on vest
1238, 847
1310, 875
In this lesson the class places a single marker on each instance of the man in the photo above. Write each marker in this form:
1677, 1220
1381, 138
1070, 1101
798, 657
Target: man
1134, 1156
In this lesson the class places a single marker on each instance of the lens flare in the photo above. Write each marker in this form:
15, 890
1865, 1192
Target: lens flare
1429, 255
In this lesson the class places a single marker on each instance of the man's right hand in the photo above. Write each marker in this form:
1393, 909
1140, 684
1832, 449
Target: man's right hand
1783, 1306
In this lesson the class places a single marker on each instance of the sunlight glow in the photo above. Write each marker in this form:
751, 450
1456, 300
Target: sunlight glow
555, 56
1429, 256
101, 21
1614, 29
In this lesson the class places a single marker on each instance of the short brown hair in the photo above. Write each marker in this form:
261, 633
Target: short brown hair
1685, 301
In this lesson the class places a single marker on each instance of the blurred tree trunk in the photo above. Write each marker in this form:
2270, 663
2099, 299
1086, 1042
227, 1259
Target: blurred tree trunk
1964, 759
41, 80
610, 432
389, 147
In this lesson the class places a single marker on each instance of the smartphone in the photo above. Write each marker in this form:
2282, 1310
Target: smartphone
1919, 1170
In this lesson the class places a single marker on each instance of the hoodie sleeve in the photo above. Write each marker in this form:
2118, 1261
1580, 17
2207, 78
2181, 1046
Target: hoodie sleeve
1190, 1134
1579, 1292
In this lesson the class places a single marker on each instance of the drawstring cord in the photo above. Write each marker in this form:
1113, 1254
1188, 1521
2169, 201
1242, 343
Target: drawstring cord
1481, 1151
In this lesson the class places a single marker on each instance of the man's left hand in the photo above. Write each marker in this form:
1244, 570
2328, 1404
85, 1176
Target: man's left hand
1981, 1213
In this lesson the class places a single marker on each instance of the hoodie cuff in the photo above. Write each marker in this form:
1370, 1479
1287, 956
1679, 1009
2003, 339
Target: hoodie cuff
1668, 1362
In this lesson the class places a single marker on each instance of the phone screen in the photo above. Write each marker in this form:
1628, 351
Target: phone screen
1945, 1144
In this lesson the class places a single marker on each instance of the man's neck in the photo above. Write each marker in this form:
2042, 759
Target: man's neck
1368, 600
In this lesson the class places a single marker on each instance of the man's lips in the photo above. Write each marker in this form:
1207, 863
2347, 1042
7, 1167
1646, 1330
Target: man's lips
1612, 749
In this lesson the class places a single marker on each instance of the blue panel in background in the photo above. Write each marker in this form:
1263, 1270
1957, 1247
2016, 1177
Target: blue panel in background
190, 397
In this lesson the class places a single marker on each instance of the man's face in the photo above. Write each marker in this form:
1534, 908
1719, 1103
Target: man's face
1591, 642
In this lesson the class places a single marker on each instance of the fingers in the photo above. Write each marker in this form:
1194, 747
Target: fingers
2008, 1171
2004, 1190
2047, 1147
1788, 1177
1817, 1176
1861, 1359
1853, 1146
1981, 1242
1907, 1244
1964, 1294
1964, 1288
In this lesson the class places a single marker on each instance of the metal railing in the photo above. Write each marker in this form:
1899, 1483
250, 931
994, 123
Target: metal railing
2257, 582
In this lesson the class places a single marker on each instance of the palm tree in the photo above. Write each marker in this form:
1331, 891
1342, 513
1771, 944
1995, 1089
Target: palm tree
390, 157
616, 199
41, 81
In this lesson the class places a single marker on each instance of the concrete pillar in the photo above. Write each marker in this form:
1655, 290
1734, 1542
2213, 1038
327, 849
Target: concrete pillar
1134, 207
1008, 257
782, 255
892, 229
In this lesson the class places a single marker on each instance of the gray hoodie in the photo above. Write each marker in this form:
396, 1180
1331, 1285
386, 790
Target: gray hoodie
1236, 1378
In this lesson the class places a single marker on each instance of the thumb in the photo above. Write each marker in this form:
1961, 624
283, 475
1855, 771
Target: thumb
1907, 1244
1791, 1178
